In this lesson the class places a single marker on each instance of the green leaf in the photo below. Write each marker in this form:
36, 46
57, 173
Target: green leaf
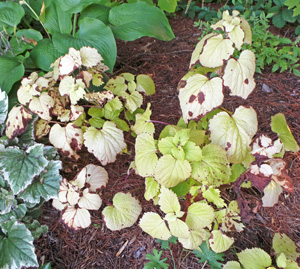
279, 126
10, 15
19, 167
12, 71
124, 212
142, 122
168, 201
75, 6
57, 20
152, 188
236, 171
44, 54
132, 21
96, 11
170, 172
145, 155
144, 83
214, 168
168, 5
121, 124
278, 21
3, 106
232, 265
213, 195
93, 33
207, 255
30, 34
17, 211
16, 246
283, 244
156, 262
254, 258
46, 186
7, 201
234, 132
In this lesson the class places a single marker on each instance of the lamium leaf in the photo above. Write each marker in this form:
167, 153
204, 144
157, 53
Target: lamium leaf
41, 106
279, 126
76, 218
45, 186
168, 201
142, 122
234, 133
3, 106
271, 194
95, 176
18, 211
145, 155
214, 167
152, 188
17, 121
200, 95
106, 143
19, 167
215, 50
194, 239
134, 20
220, 242
90, 201
283, 244
169, 172
199, 215
239, 74
123, 213
254, 258
68, 140
153, 224
16, 246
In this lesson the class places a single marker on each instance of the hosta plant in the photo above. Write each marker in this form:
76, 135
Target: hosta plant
29, 176
72, 113
211, 147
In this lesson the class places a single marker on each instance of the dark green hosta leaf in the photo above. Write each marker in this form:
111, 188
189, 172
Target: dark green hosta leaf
11, 14
76, 6
44, 54
16, 246
12, 71
19, 167
17, 211
46, 185
132, 21
93, 33
98, 12
30, 34
58, 20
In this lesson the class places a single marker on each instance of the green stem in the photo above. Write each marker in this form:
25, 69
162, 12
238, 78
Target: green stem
74, 24
204, 265
37, 17
174, 265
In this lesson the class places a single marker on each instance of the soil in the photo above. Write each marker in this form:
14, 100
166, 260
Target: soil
167, 63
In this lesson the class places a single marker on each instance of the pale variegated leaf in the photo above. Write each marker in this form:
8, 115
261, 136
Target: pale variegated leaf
152, 188
134, 101
271, 194
106, 143
75, 89
220, 242
3, 106
41, 106
178, 228
142, 122
69, 62
194, 239
254, 258
90, 201
76, 218
68, 140
17, 121
90, 57
42, 128
153, 224
123, 213
239, 74
199, 215
200, 95
237, 36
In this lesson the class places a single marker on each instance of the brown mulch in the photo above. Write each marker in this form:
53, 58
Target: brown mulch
167, 62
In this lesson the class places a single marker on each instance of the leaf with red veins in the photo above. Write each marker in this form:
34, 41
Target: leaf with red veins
68, 140
70, 62
76, 112
17, 121
42, 105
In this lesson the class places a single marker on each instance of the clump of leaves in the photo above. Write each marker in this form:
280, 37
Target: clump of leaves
29, 176
155, 260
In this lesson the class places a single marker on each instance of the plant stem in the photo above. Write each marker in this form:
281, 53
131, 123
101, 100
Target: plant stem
174, 264
157, 121
204, 265
37, 17
74, 24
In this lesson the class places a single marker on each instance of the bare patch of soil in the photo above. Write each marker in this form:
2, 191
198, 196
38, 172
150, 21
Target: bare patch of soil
167, 62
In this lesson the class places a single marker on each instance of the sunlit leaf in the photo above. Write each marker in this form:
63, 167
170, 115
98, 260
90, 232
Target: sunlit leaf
271, 194
41, 106
142, 122
168, 201
283, 244
220, 242
254, 258
194, 239
199, 216
76, 218
90, 201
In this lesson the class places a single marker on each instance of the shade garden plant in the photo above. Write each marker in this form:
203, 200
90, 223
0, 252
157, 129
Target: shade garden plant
184, 169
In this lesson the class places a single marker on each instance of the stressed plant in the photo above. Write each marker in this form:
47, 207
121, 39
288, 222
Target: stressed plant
29, 176
55, 98
210, 147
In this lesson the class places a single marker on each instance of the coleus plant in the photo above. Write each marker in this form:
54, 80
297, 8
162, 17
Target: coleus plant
56, 96
190, 161
29, 176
